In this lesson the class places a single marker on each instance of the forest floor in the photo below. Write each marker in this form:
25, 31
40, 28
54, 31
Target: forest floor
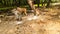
48, 22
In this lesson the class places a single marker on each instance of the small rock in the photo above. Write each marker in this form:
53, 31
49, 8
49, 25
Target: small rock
19, 22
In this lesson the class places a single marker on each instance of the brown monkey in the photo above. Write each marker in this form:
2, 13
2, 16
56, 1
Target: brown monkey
18, 11
22, 10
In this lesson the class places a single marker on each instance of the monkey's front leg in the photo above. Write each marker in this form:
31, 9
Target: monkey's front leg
25, 13
20, 17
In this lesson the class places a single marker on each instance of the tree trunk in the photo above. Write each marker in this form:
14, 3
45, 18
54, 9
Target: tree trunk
30, 2
38, 1
48, 3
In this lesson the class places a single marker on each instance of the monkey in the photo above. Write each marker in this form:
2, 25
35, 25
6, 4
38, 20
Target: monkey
18, 12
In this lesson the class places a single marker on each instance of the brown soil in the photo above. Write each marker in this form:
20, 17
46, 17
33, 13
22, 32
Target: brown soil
46, 23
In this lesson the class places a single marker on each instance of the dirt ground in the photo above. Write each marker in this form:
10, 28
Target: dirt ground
48, 22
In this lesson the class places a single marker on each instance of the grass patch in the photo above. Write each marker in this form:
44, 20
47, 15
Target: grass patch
5, 8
